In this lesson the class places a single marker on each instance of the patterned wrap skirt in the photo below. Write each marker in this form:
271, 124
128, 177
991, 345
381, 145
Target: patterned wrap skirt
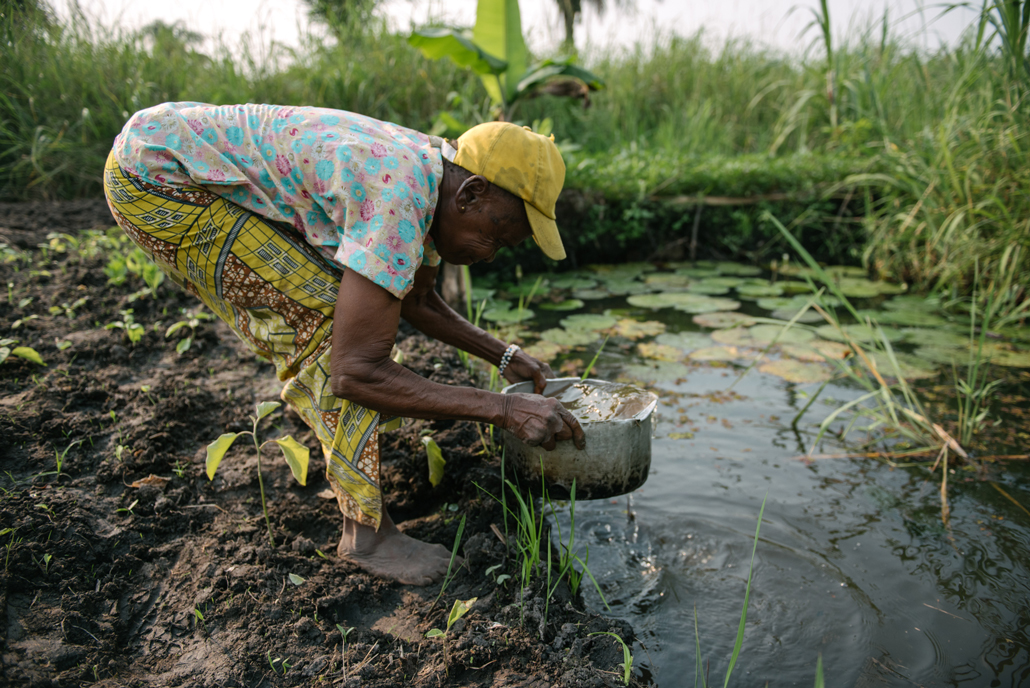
277, 293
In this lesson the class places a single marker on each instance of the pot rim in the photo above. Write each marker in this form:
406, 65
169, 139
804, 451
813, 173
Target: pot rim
642, 415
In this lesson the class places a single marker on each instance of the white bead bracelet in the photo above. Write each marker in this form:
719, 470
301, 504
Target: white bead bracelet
506, 358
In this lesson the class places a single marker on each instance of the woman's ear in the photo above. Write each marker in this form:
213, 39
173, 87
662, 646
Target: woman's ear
471, 191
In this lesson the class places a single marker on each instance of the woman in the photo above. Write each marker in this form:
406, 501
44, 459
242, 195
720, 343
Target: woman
311, 232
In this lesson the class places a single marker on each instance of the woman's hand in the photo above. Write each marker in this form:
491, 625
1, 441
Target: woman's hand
524, 367
540, 421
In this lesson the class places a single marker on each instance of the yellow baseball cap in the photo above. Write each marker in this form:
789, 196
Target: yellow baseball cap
522, 163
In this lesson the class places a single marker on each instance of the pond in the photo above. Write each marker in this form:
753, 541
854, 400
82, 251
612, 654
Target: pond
854, 561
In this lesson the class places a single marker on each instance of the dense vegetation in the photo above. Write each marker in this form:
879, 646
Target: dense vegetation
915, 164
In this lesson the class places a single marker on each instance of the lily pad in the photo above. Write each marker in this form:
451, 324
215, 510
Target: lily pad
629, 269
777, 303
908, 367
795, 287
716, 353
1011, 358
724, 281
765, 334
709, 289
818, 351
590, 294
654, 371
653, 301
569, 338
808, 317
659, 352
935, 337
572, 282
625, 286
508, 315
944, 355
798, 372
718, 321
667, 280
756, 291
858, 288
635, 329
525, 288
544, 350
858, 332
588, 321
706, 304
566, 305
698, 272
685, 341
478, 294
912, 303
735, 336
915, 318
738, 269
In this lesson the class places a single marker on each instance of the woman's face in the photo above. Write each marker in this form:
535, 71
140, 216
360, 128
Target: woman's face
476, 228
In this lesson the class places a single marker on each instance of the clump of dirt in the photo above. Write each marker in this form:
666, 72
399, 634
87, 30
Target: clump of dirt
115, 578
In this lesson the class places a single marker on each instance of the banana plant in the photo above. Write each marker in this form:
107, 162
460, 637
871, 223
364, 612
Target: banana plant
496, 52
296, 455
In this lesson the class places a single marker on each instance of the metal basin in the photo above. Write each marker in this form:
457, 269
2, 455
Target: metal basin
616, 459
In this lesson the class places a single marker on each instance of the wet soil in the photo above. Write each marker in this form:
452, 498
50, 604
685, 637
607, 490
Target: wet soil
112, 577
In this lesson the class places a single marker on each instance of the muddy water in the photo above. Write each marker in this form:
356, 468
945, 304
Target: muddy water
853, 563
600, 401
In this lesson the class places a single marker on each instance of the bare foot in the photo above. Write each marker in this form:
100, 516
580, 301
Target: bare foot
392, 554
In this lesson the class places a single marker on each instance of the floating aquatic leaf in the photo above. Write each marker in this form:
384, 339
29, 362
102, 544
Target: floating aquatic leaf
685, 341
569, 338
1011, 358
797, 372
756, 291
795, 287
724, 281
765, 334
590, 294
686, 264
508, 315
735, 336
572, 282
738, 269
629, 269
697, 273
908, 366
654, 371
777, 303
660, 352
635, 329
623, 287
944, 355
719, 321
818, 350
716, 353
481, 294
566, 305
858, 288
588, 321
858, 332
809, 316
915, 318
707, 304
912, 303
935, 337
544, 350
666, 280
652, 301
525, 288
845, 271
709, 289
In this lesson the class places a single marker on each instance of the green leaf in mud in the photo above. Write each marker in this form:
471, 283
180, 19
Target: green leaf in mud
797, 372
297, 456
590, 294
569, 338
716, 353
817, 351
685, 341
508, 315
706, 304
858, 332
915, 318
697, 273
708, 289
296, 580
216, 452
266, 407
572, 282
935, 337
759, 291
659, 352
460, 609
765, 334
28, 353
588, 321
636, 329
183, 345
808, 317
654, 371
544, 350
738, 269
566, 305
718, 321
435, 458
667, 280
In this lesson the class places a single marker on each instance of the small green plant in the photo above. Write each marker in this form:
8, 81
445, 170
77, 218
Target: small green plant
460, 609
448, 577
11, 543
44, 563
434, 457
284, 664
191, 321
133, 330
179, 469
60, 456
627, 656
69, 309
128, 509
344, 632
7, 349
296, 455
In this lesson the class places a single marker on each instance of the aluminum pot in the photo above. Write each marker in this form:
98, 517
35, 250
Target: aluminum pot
616, 459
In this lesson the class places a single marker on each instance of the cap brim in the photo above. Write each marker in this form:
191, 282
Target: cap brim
545, 233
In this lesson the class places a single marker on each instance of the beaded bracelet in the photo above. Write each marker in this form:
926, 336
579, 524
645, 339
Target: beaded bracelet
506, 358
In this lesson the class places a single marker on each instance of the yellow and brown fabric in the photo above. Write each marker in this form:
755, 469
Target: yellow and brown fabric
277, 293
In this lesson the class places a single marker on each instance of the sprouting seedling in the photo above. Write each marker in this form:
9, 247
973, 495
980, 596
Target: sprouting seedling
133, 330
68, 309
460, 609
60, 456
192, 321
434, 455
284, 664
7, 349
296, 455
344, 632
448, 577
627, 656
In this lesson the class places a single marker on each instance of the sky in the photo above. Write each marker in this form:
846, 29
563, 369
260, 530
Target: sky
770, 22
